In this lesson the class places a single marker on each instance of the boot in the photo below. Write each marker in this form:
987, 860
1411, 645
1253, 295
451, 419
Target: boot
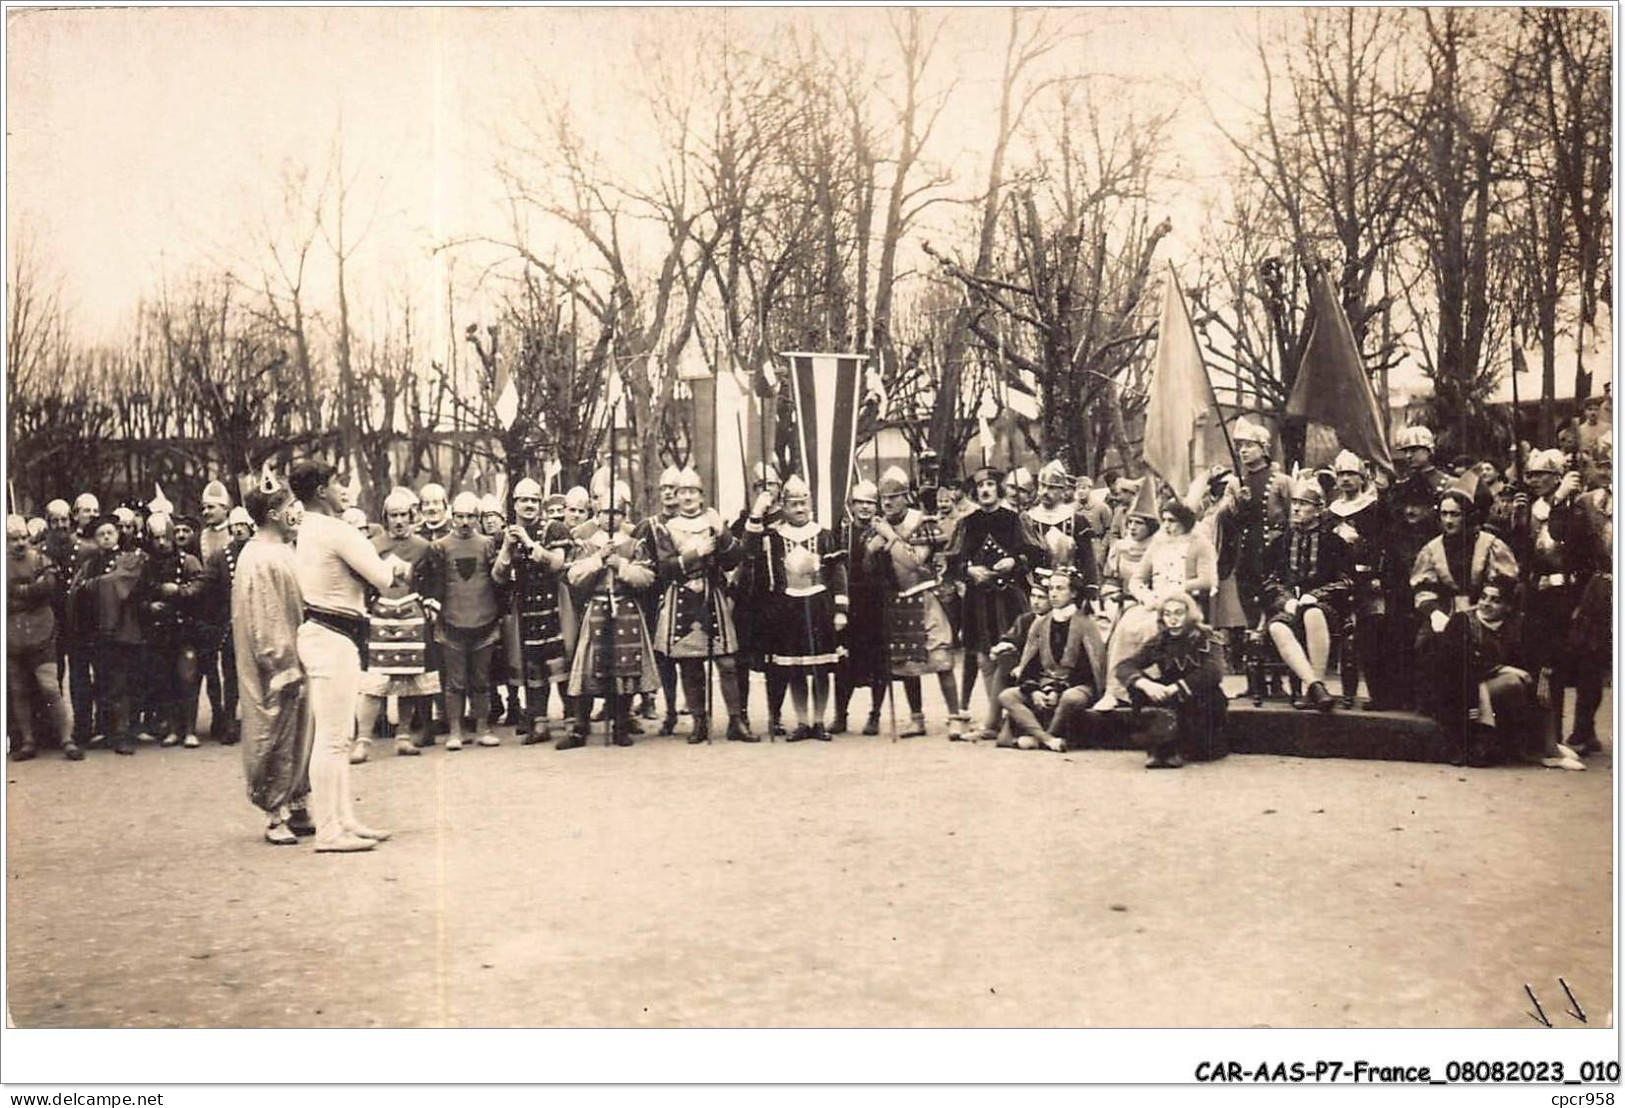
668, 726
700, 731
571, 740
871, 726
916, 726
739, 731
837, 725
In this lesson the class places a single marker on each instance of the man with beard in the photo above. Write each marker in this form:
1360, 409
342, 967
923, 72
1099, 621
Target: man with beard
531, 561
455, 577
171, 584
266, 613
1362, 521
432, 510
694, 551
918, 637
992, 552
649, 532
750, 600
613, 657
32, 586
802, 564
1307, 582
398, 636
864, 663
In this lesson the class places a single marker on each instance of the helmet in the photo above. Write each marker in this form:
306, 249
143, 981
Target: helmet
432, 491
689, 478
1308, 489
1054, 475
158, 523
1347, 461
893, 481
1021, 478
795, 488
527, 489
356, 518
1545, 461
866, 491
86, 500
399, 500
215, 493
1414, 436
670, 477
57, 509
1245, 430
16, 527
766, 474
490, 505
239, 515
578, 497
465, 503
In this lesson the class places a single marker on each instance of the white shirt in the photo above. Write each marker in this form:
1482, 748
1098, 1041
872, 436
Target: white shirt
335, 561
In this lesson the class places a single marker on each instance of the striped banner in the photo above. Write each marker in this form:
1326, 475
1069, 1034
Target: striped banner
828, 393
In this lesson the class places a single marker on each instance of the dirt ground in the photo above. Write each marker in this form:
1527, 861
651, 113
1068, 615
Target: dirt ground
857, 883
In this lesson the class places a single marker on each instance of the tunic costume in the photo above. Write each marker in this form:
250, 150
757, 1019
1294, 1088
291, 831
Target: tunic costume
538, 657
1449, 572
1364, 524
398, 631
750, 598
862, 639
695, 617
266, 611
218, 660
804, 568
982, 538
918, 638
1064, 538
1061, 656
456, 574
1307, 561
1190, 661
613, 655
1260, 519
172, 627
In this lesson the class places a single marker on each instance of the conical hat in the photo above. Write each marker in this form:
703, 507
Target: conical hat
1145, 501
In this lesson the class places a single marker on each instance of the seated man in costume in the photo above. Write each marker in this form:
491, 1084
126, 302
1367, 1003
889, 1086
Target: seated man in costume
1173, 682
1307, 580
1061, 667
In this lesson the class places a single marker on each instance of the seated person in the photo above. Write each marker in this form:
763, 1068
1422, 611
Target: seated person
1485, 695
1060, 668
1308, 577
1004, 654
1174, 683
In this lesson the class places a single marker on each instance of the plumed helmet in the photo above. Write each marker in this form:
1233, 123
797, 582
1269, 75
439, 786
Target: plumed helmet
866, 491
87, 500
527, 489
669, 477
1413, 436
215, 493
578, 498
465, 503
1245, 430
1021, 478
1545, 461
399, 500
1308, 489
239, 515
893, 481
1347, 461
689, 478
796, 489
1054, 475
57, 509
490, 505
432, 491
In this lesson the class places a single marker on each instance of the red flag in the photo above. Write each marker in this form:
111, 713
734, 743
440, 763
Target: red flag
1332, 387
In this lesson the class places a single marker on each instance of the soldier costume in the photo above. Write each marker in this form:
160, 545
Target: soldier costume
648, 532
864, 661
398, 635
1307, 581
531, 564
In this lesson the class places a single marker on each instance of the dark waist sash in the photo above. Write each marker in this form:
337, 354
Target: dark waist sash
351, 627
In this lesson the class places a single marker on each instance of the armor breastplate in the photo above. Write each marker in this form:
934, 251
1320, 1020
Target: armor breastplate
803, 568
911, 577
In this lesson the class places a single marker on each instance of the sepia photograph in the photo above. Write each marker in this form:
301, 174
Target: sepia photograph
1079, 519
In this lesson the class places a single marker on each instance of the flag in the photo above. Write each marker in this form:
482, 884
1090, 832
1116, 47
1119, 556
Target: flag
1184, 432
1332, 387
550, 472
1021, 395
986, 435
825, 389
507, 402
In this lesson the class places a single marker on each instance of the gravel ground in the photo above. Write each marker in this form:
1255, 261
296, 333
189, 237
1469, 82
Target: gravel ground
857, 883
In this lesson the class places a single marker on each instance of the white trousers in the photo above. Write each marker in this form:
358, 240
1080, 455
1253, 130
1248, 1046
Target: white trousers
333, 670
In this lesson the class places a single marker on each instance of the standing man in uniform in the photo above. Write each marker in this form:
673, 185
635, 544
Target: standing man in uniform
398, 639
649, 532
531, 562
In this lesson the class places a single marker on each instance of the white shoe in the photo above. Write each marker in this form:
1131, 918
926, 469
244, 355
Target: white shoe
1105, 704
455, 742
191, 742
361, 832
1564, 750
488, 739
344, 844
360, 751
171, 739
1560, 762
